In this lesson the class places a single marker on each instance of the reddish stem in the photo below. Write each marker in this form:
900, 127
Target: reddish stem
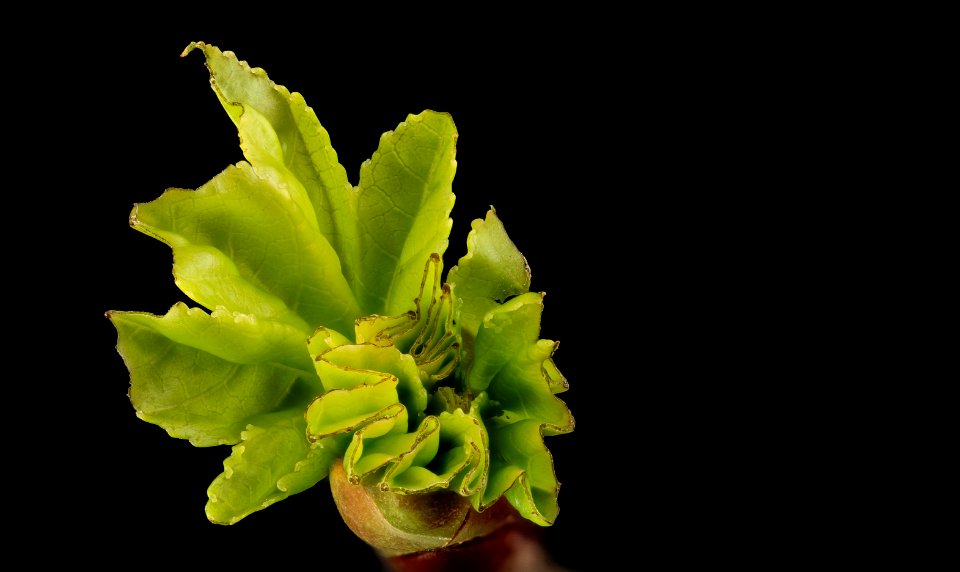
512, 548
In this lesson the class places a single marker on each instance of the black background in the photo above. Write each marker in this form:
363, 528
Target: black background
662, 173
549, 134
582, 143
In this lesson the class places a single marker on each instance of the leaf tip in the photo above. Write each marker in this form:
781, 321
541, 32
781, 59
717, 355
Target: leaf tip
133, 220
192, 46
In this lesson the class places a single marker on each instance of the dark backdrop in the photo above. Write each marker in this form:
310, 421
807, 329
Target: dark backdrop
661, 173
549, 129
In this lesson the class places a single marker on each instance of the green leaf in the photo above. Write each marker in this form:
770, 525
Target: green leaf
202, 377
492, 271
556, 380
346, 410
448, 451
426, 333
323, 340
465, 441
348, 365
504, 332
282, 137
272, 462
315, 466
368, 453
408, 473
509, 365
238, 243
523, 392
404, 210
522, 470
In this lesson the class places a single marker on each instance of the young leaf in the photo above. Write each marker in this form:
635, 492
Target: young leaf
333, 336
491, 272
523, 471
404, 209
239, 243
271, 462
202, 377
467, 459
281, 136
509, 365
357, 359
368, 454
